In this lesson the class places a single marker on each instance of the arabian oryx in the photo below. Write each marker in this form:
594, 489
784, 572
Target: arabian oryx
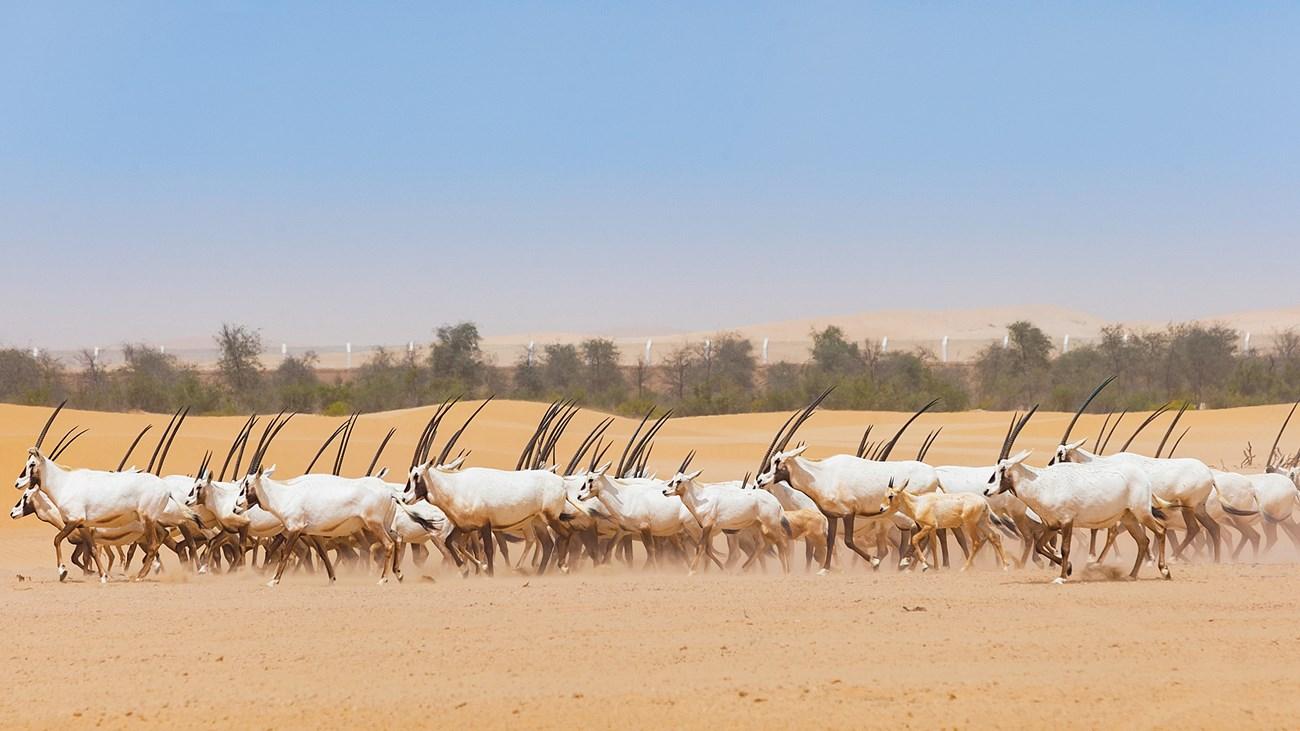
727, 507
844, 486
964, 511
318, 507
1092, 495
1183, 483
483, 499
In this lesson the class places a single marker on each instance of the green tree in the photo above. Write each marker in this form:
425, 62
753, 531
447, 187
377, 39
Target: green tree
240, 363
604, 379
456, 359
562, 370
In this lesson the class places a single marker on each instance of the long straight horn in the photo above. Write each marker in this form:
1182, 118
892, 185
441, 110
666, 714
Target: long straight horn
925, 448
547, 449
632, 440
371, 469
1083, 407
1015, 434
803, 416
325, 445
1006, 440
441, 414
240, 436
40, 439
681, 470
775, 439
862, 443
1181, 410
343, 443
890, 447
62, 439
586, 445
1177, 442
122, 465
1096, 445
602, 447
243, 442
167, 449
1102, 449
446, 450
63, 446
1144, 424
1273, 448
635, 460
162, 440
526, 455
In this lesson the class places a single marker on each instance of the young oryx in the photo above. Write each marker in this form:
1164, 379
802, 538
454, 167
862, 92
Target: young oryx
807, 522
843, 486
318, 506
725, 506
938, 510
1094, 495
483, 499
1183, 483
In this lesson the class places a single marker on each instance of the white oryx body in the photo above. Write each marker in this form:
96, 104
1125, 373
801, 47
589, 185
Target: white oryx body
1098, 495
726, 506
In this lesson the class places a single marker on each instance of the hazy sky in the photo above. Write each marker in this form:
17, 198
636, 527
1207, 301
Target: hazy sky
328, 171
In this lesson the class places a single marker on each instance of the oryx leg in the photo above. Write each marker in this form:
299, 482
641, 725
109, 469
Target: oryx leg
88, 540
485, 534
290, 541
849, 540
831, 523
1193, 528
1134, 528
1211, 529
648, 542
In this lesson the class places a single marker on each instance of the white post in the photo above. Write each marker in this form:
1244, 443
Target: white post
764, 351
884, 344
36, 352
1126, 338
284, 351
531, 343
1006, 340
943, 348
410, 346
96, 352
162, 349
647, 351
1246, 347
1065, 346
349, 348
708, 349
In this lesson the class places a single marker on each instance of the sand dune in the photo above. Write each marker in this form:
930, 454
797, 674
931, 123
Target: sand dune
607, 648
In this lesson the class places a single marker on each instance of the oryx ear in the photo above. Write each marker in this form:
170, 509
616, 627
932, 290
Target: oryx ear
796, 451
1020, 456
601, 469
34, 452
206, 476
1075, 445
382, 473
266, 473
553, 468
694, 474
452, 465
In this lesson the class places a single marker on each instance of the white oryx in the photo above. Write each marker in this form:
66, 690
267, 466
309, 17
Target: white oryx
318, 507
725, 506
844, 486
1066, 496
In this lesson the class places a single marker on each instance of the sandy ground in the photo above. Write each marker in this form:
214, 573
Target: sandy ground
1217, 646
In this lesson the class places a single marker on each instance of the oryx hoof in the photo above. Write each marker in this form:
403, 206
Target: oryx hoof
1069, 568
824, 572
1165, 573
875, 564
103, 578
203, 570
1059, 580
925, 567
905, 562
564, 570
400, 578
272, 583
63, 573
382, 580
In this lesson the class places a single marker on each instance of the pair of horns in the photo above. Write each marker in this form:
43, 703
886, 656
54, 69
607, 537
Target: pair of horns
269, 433
1013, 432
1065, 438
788, 429
165, 441
593, 439
64, 442
425, 443
537, 451
637, 452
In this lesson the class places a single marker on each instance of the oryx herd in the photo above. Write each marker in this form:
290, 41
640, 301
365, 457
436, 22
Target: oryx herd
589, 511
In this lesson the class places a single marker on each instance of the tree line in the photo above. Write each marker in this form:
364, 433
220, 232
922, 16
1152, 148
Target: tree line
1202, 364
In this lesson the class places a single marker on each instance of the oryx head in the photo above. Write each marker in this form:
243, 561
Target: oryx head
24, 505
34, 458
249, 487
202, 482
1067, 452
1001, 479
681, 480
891, 493
778, 467
592, 482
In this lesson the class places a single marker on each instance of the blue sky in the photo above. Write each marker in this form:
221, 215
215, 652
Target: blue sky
364, 172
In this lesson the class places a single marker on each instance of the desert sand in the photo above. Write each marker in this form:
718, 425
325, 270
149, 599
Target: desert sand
1217, 646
